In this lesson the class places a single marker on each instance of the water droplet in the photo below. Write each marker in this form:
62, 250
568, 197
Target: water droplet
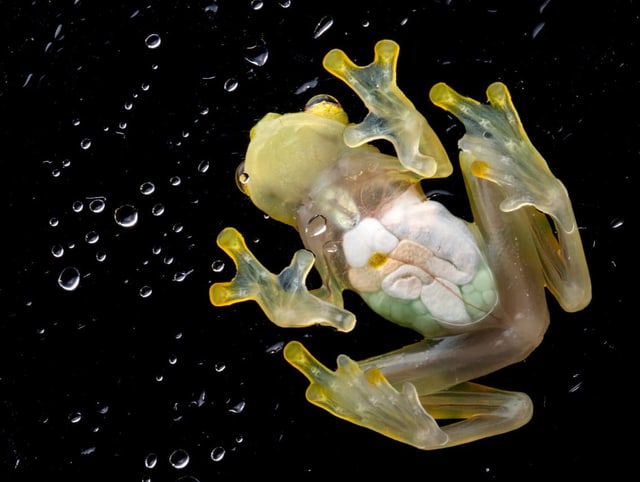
219, 367
77, 206
168, 260
57, 250
316, 225
323, 25
91, 237
126, 216
153, 41
217, 266
101, 256
239, 438
177, 228
54, 222
285, 3
537, 30
147, 188
203, 166
150, 461
122, 125
180, 276
55, 172
66, 162
238, 407
97, 205
175, 180
75, 122
275, 348
157, 209
256, 4
217, 454
128, 105
204, 111
85, 143
145, 291
257, 55
75, 417
173, 360
306, 86
179, 459
69, 278
156, 249
365, 23
616, 223
230, 84
145, 87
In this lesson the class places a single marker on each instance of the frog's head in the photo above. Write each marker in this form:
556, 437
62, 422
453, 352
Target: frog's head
288, 153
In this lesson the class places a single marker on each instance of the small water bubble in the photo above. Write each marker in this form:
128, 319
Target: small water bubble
156, 249
275, 348
92, 237
85, 143
179, 459
203, 166
153, 41
122, 125
306, 86
151, 460
204, 111
173, 360
256, 4
180, 276
323, 25
238, 407
365, 23
175, 180
128, 105
126, 216
69, 278
239, 438
217, 454
101, 256
157, 209
537, 30
75, 122
77, 206
145, 291
316, 225
97, 205
147, 188
55, 172
57, 250
168, 260
75, 417
616, 223
217, 266
219, 367
53, 222
177, 228
66, 162
230, 84
285, 3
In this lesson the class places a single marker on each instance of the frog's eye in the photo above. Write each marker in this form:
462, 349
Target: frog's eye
326, 106
242, 179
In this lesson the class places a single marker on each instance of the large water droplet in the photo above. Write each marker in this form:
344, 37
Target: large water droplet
126, 216
69, 278
217, 454
323, 25
179, 459
153, 41
257, 55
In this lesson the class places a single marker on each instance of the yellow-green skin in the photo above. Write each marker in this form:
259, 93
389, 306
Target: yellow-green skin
475, 291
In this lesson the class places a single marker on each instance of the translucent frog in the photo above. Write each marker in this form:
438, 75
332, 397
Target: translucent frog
474, 290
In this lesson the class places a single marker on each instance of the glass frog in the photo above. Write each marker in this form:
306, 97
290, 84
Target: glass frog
474, 290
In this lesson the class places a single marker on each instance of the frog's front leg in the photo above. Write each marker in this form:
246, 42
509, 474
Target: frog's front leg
501, 165
284, 298
391, 116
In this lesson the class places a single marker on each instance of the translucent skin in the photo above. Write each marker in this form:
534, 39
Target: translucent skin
476, 291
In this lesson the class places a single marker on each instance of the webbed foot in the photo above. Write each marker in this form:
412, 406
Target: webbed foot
367, 399
284, 298
496, 148
391, 115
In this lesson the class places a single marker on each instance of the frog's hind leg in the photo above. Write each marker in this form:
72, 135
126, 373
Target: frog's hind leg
365, 397
479, 411
284, 298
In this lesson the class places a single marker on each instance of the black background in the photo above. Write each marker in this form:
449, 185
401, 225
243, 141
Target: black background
101, 380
